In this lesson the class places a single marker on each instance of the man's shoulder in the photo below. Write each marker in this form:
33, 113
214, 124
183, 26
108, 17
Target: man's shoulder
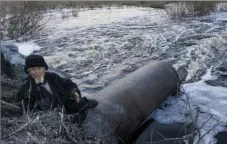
54, 75
51, 73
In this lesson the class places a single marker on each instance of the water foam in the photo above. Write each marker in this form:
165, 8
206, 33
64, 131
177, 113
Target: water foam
93, 17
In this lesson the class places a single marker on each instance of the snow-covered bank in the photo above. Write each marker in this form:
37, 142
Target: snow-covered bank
199, 99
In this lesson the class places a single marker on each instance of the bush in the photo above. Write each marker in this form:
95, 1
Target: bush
179, 9
21, 19
197, 8
221, 7
203, 7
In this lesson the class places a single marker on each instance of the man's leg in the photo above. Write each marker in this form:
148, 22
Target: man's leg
80, 108
72, 106
91, 102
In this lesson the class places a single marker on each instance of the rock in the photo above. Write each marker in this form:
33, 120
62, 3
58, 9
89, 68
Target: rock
5, 66
12, 61
9, 88
9, 110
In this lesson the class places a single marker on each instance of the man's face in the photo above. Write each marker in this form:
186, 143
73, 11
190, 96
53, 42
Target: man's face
37, 73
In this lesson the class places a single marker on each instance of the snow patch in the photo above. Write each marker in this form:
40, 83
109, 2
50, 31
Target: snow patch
26, 48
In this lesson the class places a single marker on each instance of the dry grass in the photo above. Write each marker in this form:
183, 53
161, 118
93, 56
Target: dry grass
49, 127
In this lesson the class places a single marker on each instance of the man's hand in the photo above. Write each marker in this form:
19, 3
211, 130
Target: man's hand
76, 97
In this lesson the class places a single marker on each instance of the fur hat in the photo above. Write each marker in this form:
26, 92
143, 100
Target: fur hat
34, 61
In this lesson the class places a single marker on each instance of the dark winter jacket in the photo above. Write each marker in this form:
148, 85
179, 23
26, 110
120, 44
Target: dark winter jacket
32, 94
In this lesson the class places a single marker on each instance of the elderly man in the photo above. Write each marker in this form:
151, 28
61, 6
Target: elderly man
45, 90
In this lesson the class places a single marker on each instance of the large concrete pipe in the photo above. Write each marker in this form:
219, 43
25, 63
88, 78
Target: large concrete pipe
125, 104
